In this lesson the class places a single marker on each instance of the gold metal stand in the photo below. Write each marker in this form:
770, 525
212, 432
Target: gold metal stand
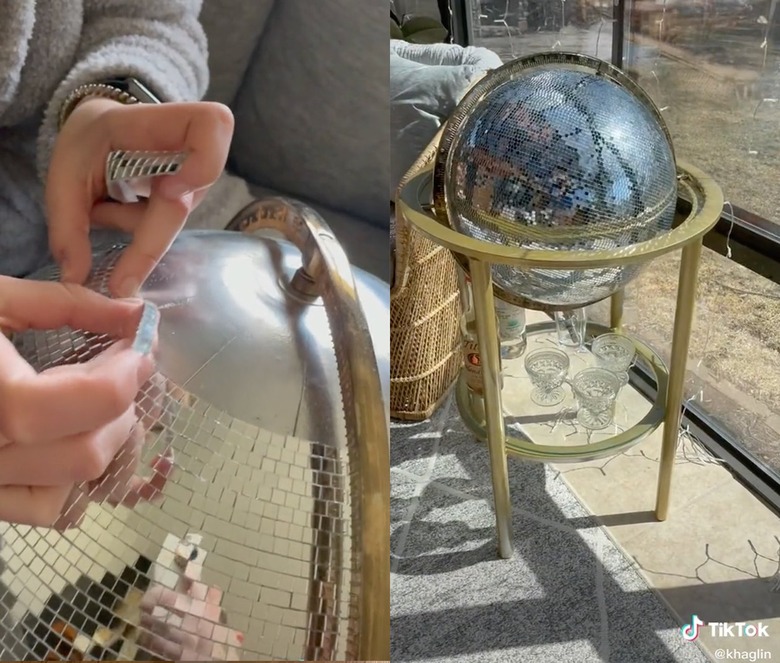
683, 322
706, 201
616, 310
482, 289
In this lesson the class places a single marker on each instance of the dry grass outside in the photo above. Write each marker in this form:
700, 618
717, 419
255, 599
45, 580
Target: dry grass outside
733, 360
735, 138
732, 134
735, 345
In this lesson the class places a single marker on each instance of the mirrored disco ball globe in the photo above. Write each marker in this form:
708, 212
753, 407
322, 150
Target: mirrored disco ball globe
230, 525
559, 152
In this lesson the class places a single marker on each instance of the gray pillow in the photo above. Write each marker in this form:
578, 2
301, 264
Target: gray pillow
423, 95
233, 28
312, 114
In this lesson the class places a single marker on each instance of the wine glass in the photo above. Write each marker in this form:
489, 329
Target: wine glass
596, 391
547, 369
614, 352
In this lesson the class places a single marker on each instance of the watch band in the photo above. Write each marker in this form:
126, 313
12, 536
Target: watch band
92, 90
124, 90
134, 88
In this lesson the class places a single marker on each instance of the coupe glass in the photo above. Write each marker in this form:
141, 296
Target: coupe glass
614, 352
596, 390
547, 369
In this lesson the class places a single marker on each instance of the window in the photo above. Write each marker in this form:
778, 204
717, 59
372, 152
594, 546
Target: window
714, 70
403, 10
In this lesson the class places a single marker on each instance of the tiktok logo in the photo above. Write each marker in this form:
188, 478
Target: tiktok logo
724, 629
691, 631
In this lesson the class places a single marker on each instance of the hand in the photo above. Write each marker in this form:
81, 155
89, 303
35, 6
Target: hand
69, 433
76, 187
187, 625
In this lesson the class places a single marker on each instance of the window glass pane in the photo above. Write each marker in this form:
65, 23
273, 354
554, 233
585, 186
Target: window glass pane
519, 27
714, 69
715, 72
734, 360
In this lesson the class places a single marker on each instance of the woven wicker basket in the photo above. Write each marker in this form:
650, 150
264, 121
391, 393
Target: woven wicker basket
425, 310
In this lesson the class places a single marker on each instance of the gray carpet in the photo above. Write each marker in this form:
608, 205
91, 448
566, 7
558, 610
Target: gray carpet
568, 595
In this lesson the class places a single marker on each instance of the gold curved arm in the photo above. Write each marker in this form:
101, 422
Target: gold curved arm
326, 272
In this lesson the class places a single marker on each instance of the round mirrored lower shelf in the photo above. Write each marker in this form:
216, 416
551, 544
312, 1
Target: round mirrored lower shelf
553, 434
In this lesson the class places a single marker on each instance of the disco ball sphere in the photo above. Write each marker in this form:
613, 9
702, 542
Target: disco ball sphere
252, 543
559, 152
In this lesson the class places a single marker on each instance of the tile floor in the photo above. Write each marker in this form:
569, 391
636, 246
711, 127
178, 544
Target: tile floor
717, 554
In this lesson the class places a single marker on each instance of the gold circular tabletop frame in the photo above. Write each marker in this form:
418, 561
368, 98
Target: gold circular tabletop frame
695, 186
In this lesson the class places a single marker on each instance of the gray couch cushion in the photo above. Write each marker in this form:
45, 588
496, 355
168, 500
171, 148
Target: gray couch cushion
233, 29
312, 115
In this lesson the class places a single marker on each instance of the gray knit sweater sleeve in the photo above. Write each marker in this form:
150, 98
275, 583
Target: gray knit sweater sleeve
161, 43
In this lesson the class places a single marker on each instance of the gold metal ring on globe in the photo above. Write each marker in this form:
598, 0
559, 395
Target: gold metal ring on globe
695, 187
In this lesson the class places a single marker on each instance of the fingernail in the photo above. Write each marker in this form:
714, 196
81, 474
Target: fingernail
147, 328
134, 301
129, 287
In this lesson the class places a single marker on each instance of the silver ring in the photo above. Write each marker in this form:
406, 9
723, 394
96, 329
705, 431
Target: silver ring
129, 174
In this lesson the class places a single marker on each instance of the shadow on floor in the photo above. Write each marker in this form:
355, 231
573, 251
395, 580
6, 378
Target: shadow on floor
567, 593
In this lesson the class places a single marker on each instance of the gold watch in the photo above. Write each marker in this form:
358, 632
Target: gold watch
122, 90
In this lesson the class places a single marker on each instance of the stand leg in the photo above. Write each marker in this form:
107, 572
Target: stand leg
482, 290
616, 310
683, 322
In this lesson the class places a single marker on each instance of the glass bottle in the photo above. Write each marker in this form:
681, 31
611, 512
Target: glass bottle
472, 361
511, 329
468, 329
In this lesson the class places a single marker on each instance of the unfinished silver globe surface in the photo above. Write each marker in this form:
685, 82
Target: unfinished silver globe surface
558, 151
259, 510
